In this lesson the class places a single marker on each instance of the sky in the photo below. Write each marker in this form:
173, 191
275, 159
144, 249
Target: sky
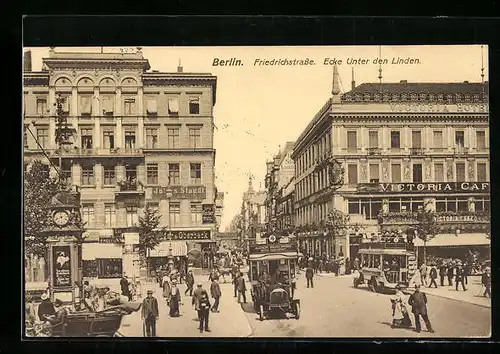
260, 108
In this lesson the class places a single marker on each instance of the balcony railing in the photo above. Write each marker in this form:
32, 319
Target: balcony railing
460, 150
417, 151
129, 187
374, 151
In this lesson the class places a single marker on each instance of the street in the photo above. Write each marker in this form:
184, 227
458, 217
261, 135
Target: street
333, 308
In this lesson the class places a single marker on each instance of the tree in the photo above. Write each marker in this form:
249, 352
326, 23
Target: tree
39, 188
149, 236
427, 226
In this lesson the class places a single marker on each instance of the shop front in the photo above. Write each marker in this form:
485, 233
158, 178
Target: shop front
102, 263
168, 252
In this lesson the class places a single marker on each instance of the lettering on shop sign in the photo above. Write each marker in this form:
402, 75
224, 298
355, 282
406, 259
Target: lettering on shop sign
180, 192
451, 187
208, 214
440, 108
187, 235
458, 218
273, 247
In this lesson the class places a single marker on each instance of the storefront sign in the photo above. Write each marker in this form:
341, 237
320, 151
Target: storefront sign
273, 248
441, 187
61, 265
188, 235
180, 192
458, 218
208, 213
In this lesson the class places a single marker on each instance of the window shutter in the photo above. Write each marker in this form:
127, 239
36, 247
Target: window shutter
173, 106
152, 106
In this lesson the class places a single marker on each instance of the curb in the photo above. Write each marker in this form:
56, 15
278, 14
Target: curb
449, 298
247, 322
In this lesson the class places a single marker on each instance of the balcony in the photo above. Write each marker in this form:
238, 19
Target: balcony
417, 151
460, 151
374, 151
129, 188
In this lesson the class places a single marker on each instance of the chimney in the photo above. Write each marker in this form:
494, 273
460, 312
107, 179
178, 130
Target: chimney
27, 61
353, 83
179, 68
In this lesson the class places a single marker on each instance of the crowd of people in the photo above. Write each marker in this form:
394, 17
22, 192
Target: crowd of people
328, 264
453, 272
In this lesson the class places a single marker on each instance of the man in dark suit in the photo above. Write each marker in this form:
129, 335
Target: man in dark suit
241, 286
418, 303
442, 273
216, 294
150, 314
459, 277
124, 285
309, 276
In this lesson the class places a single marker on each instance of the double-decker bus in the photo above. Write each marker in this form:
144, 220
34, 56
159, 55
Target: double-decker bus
386, 263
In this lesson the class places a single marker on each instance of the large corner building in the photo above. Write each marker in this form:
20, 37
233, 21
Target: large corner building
403, 146
141, 137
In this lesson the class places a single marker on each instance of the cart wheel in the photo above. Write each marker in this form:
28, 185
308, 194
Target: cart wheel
297, 310
261, 313
355, 282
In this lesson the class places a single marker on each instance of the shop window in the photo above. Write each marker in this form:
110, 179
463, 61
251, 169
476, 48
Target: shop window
482, 204
440, 205
89, 268
451, 205
462, 205
109, 268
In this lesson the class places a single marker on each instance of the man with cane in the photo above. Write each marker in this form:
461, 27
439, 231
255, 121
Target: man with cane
149, 315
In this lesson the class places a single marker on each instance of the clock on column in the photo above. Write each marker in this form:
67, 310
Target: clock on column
61, 218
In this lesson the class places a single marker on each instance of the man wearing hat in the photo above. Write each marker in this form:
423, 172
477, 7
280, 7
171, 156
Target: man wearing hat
459, 276
46, 308
197, 295
418, 303
486, 281
433, 274
175, 299
150, 314
189, 283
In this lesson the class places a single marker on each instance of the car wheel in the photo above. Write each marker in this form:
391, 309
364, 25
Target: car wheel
261, 313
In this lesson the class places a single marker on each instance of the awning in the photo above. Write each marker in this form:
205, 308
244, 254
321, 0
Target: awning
91, 251
273, 256
178, 249
452, 240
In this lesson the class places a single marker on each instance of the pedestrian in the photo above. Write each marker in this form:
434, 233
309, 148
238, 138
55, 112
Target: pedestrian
418, 303
189, 283
356, 264
442, 273
235, 284
124, 285
309, 276
203, 308
150, 314
459, 277
242, 288
175, 300
400, 317
467, 272
486, 281
433, 276
196, 296
423, 273
216, 294
167, 289
450, 273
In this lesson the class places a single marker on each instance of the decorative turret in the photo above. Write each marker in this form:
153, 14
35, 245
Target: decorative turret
336, 81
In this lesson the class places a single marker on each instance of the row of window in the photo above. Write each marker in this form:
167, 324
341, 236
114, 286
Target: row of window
132, 214
109, 174
416, 139
318, 149
107, 106
371, 207
105, 268
109, 138
416, 173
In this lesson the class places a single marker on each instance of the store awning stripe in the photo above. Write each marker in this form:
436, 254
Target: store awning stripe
455, 240
91, 251
179, 248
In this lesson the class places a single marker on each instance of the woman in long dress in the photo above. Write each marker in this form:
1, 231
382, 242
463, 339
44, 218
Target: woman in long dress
400, 316
167, 289
175, 299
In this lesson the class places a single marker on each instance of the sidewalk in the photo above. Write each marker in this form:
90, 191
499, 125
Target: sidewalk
473, 294
229, 322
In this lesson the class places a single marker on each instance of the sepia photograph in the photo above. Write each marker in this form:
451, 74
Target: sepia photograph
257, 191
